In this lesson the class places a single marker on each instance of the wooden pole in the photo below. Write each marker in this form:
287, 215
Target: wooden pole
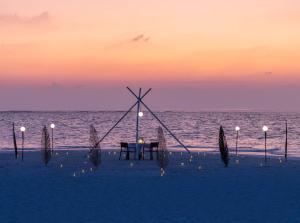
136, 95
137, 125
165, 127
138, 102
286, 141
126, 113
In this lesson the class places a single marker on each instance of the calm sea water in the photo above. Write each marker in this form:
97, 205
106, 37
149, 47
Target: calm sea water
194, 129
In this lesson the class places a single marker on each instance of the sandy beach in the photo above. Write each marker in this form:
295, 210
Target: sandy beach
69, 189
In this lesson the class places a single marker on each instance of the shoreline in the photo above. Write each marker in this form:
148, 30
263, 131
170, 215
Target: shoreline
194, 152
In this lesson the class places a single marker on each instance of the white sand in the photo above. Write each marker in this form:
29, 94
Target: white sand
120, 192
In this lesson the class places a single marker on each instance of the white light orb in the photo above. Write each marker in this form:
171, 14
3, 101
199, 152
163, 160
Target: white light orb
52, 126
141, 141
265, 128
237, 128
141, 114
22, 129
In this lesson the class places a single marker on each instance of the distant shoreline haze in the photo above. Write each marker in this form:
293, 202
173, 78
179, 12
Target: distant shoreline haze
173, 97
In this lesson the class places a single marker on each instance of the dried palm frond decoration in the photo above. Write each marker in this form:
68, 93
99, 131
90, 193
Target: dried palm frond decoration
162, 155
223, 147
46, 146
15, 140
95, 151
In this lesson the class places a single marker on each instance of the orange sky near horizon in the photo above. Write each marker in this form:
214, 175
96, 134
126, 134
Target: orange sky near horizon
149, 40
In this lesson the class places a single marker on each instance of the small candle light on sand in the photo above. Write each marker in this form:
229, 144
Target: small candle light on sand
162, 172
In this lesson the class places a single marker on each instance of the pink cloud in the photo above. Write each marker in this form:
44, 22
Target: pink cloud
140, 38
17, 19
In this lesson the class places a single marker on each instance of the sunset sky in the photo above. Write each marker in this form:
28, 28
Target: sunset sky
194, 50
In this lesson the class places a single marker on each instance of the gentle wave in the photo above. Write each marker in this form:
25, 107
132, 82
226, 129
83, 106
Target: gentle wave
194, 129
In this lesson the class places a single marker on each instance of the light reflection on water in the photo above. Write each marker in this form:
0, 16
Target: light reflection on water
195, 129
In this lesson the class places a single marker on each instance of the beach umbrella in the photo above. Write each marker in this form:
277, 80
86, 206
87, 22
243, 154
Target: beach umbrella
15, 141
95, 151
163, 155
46, 146
223, 147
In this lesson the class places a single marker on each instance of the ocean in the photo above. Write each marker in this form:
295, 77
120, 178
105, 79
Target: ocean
197, 130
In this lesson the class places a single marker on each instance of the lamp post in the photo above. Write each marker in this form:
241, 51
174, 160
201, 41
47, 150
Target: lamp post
52, 126
237, 129
23, 129
265, 129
